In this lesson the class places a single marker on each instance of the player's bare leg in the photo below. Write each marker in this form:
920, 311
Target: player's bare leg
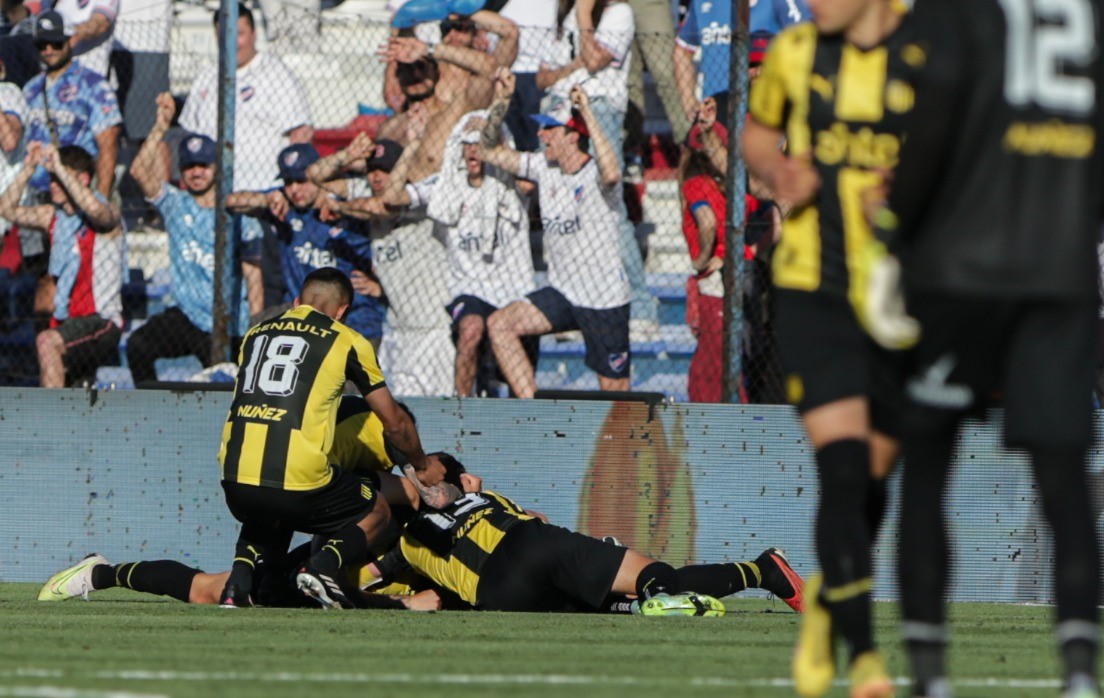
506, 327
467, 353
51, 362
622, 384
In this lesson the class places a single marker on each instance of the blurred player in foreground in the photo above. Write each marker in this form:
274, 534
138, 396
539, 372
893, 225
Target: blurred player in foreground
995, 212
836, 90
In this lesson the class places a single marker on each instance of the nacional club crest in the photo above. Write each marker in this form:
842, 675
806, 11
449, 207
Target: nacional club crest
619, 361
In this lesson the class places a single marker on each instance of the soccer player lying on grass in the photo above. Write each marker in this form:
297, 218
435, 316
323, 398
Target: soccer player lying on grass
358, 445
273, 584
276, 588
496, 557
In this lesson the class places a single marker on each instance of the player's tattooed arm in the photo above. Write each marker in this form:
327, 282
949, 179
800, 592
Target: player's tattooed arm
436, 496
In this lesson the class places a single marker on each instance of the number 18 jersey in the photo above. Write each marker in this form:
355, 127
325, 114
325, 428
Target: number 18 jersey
291, 374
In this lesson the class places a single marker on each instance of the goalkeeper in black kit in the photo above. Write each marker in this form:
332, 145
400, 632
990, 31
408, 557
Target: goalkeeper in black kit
994, 213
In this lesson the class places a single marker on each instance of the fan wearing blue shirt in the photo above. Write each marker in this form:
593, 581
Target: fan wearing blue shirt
708, 26
70, 104
295, 226
188, 212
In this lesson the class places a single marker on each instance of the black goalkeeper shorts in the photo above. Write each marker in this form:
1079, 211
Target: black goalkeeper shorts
1036, 357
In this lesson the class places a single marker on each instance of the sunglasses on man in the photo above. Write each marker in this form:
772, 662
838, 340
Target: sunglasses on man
56, 45
464, 26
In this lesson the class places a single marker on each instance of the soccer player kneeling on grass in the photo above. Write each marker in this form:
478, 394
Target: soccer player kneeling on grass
276, 470
497, 557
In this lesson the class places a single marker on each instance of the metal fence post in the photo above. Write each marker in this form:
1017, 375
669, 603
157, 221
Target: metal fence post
224, 247
736, 188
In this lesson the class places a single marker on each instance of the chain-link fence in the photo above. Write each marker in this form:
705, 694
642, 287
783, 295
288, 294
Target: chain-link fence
503, 236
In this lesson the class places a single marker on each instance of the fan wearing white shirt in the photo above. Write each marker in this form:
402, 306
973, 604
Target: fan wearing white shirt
490, 262
272, 110
579, 199
408, 261
595, 53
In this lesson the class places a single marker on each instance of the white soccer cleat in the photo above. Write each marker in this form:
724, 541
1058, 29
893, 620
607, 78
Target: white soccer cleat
72, 582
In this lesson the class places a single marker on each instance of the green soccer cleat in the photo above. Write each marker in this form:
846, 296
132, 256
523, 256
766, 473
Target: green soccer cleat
72, 582
685, 604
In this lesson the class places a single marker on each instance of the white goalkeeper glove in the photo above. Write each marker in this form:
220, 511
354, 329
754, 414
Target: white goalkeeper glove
881, 307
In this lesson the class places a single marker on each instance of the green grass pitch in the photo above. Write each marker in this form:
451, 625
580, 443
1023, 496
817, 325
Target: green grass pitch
125, 645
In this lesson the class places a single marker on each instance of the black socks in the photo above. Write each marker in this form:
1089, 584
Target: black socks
163, 577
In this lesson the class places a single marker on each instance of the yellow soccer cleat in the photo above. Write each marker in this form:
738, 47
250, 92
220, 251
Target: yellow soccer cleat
869, 678
814, 660
685, 604
72, 582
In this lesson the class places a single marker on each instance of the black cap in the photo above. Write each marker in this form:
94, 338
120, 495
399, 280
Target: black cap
49, 26
384, 155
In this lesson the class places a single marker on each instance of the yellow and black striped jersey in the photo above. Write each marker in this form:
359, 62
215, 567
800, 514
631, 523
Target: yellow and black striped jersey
452, 546
358, 442
845, 106
281, 424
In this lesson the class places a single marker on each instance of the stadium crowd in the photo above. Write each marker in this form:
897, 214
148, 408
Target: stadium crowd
446, 244
848, 129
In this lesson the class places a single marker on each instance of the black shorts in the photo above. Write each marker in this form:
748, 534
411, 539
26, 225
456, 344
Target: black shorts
90, 342
1037, 356
347, 499
544, 568
606, 331
828, 357
463, 306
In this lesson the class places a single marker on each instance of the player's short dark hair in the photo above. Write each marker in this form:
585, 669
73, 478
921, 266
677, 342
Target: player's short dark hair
243, 13
77, 159
330, 277
453, 468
